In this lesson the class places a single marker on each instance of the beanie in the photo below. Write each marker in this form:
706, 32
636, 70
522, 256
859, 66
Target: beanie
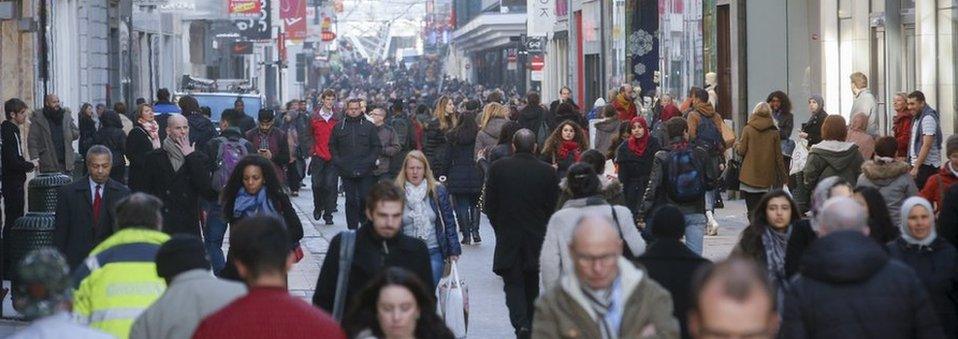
42, 283
183, 252
951, 145
668, 222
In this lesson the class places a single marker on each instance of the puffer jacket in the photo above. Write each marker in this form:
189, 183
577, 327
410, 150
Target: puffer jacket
605, 131
833, 158
762, 163
937, 267
435, 147
355, 147
564, 311
462, 173
634, 171
892, 180
849, 288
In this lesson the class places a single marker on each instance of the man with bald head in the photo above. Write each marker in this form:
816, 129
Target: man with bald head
52, 131
179, 176
606, 297
849, 287
520, 195
732, 299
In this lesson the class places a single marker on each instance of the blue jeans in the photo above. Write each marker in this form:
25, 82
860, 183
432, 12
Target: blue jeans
436, 261
467, 212
214, 233
695, 232
710, 200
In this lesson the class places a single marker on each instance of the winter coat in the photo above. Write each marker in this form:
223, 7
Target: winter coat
87, 132
759, 146
355, 147
111, 136
138, 145
606, 130
902, 132
562, 164
15, 165
573, 116
278, 145
565, 312
624, 107
865, 102
673, 265
488, 137
656, 193
849, 287
180, 190
785, 123
938, 184
462, 174
435, 147
555, 260
531, 118
372, 255
813, 127
634, 171
40, 142
948, 218
833, 158
390, 148
201, 129
299, 122
500, 151
191, 296
74, 233
520, 197
751, 245
294, 230
446, 236
937, 267
554, 106
611, 190
892, 180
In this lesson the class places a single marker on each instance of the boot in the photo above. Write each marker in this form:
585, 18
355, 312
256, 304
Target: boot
475, 236
466, 240
711, 228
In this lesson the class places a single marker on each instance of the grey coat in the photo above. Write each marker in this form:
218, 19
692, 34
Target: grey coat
40, 142
489, 137
892, 181
865, 103
191, 296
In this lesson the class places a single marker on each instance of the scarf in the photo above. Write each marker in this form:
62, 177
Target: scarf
569, 147
602, 302
639, 145
174, 153
247, 205
623, 102
705, 109
416, 199
152, 129
775, 244
906, 208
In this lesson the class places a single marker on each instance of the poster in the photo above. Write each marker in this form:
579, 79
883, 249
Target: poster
258, 25
293, 14
244, 7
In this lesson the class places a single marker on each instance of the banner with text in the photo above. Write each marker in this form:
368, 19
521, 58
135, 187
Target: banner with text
293, 14
541, 17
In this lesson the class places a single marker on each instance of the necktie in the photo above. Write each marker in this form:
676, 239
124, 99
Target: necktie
97, 201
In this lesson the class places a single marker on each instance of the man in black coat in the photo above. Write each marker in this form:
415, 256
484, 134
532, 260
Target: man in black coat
521, 195
15, 166
379, 244
848, 286
179, 176
671, 263
355, 147
84, 215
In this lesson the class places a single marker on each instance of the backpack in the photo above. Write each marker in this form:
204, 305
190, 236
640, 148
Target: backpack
686, 179
708, 136
228, 154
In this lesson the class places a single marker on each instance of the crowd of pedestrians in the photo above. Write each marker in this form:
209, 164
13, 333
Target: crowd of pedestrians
600, 219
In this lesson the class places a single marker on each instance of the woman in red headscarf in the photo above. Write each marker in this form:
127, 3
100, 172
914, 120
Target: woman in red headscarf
634, 159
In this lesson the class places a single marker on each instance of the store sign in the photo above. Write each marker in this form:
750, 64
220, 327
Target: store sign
257, 26
242, 48
244, 7
293, 13
541, 16
538, 62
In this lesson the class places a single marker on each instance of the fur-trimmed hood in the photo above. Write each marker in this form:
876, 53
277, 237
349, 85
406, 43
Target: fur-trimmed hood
878, 171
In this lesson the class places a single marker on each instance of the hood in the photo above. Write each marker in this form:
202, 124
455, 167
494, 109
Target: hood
878, 171
600, 102
843, 257
608, 185
838, 154
232, 133
761, 121
609, 125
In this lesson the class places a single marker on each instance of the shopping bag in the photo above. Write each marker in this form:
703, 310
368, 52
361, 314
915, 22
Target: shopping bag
799, 157
453, 302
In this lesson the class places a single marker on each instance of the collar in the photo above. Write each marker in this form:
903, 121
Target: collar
194, 274
628, 280
94, 183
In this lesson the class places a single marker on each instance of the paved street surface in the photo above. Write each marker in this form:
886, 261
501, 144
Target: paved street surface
489, 317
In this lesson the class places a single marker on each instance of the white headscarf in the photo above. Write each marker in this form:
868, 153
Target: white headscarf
906, 208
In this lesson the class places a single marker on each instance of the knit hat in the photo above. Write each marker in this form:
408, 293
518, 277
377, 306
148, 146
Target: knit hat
951, 145
43, 283
668, 222
183, 252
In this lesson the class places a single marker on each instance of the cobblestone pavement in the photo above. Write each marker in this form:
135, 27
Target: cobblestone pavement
488, 314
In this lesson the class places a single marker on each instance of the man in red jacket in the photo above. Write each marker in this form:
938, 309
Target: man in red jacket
321, 166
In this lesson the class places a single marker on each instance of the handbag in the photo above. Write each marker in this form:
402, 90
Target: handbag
347, 248
732, 172
452, 304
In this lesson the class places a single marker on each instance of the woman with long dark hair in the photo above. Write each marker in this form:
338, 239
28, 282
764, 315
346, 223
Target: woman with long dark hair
434, 133
880, 225
395, 305
463, 179
111, 135
776, 238
254, 188
88, 126
564, 147
784, 120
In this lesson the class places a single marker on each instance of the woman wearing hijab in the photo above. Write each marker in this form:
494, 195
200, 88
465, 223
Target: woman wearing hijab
634, 159
777, 239
934, 260
763, 166
812, 129
858, 135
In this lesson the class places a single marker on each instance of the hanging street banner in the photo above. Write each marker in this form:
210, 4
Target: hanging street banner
293, 14
541, 17
258, 25
244, 7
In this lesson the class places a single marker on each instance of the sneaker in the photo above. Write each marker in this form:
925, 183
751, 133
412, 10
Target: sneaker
712, 228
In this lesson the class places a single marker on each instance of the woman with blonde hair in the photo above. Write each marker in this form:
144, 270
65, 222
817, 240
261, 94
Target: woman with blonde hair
428, 214
434, 133
494, 116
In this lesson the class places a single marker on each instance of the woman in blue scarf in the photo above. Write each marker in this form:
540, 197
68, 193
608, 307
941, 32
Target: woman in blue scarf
254, 189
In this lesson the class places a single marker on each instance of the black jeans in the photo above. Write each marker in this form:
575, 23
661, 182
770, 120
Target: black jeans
356, 189
924, 172
467, 212
751, 201
324, 180
294, 174
522, 288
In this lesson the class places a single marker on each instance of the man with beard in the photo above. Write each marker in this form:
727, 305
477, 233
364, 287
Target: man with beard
51, 136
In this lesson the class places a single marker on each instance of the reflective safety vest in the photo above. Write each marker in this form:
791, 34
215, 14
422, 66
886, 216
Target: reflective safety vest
118, 281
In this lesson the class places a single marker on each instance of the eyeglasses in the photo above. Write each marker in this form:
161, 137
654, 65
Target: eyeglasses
604, 259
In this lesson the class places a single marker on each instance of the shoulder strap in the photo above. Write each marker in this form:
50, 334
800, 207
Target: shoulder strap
347, 248
618, 227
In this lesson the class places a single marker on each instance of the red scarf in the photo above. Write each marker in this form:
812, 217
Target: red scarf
567, 147
639, 145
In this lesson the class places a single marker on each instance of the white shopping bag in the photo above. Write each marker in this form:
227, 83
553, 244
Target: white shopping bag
799, 156
452, 298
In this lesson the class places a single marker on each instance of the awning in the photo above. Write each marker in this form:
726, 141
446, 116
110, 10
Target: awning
489, 30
